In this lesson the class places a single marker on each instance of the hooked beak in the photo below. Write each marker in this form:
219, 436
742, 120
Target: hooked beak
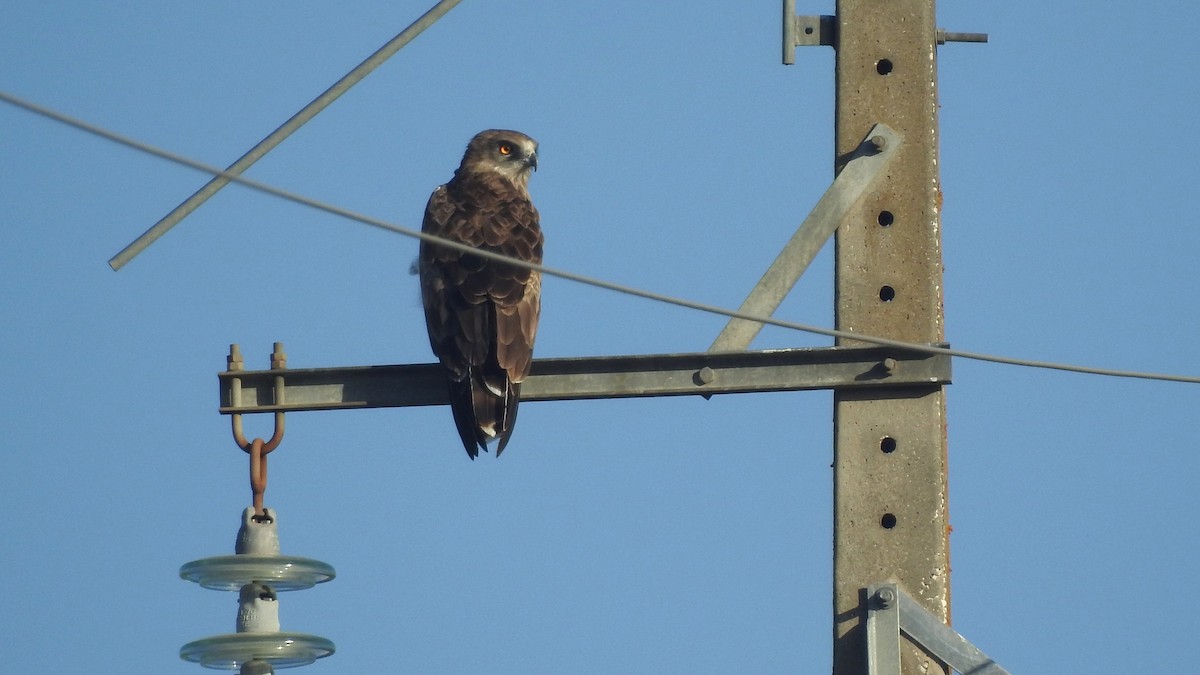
532, 160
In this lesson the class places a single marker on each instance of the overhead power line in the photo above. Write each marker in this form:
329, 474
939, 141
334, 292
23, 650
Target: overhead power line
564, 274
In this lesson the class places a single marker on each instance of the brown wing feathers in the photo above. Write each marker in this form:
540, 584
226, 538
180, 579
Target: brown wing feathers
482, 315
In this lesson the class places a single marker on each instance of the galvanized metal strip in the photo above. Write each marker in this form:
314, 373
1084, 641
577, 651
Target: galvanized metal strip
927, 630
702, 374
883, 630
861, 168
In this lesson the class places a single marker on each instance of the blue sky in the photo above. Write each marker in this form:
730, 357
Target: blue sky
678, 155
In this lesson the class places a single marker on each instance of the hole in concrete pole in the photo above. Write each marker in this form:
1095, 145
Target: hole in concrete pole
886, 219
883, 66
888, 521
887, 445
887, 293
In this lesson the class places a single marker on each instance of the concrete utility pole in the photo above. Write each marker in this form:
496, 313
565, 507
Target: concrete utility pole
890, 507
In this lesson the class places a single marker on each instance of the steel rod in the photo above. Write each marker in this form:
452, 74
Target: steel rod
944, 36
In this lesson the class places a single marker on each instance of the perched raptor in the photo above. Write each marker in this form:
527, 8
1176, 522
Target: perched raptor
482, 314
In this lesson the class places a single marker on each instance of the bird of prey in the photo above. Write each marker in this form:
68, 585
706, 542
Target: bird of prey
482, 314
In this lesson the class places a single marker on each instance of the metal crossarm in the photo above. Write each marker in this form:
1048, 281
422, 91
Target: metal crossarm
704, 374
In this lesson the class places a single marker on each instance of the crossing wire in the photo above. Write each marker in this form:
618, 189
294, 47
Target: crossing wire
280, 134
573, 276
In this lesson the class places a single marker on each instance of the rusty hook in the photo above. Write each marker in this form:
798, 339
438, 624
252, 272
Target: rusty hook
239, 435
258, 474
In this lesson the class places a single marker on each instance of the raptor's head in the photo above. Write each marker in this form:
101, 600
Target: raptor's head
509, 153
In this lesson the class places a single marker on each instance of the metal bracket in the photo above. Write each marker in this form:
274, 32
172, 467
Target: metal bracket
858, 172
805, 31
820, 30
704, 374
892, 612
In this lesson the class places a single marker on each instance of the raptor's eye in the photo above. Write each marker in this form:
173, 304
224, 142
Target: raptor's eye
505, 149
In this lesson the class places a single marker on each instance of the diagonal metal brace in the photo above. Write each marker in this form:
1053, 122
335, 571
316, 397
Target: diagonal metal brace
703, 373
281, 133
859, 171
891, 613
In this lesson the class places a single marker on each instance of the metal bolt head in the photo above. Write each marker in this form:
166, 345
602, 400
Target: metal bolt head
705, 375
886, 597
879, 143
889, 365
